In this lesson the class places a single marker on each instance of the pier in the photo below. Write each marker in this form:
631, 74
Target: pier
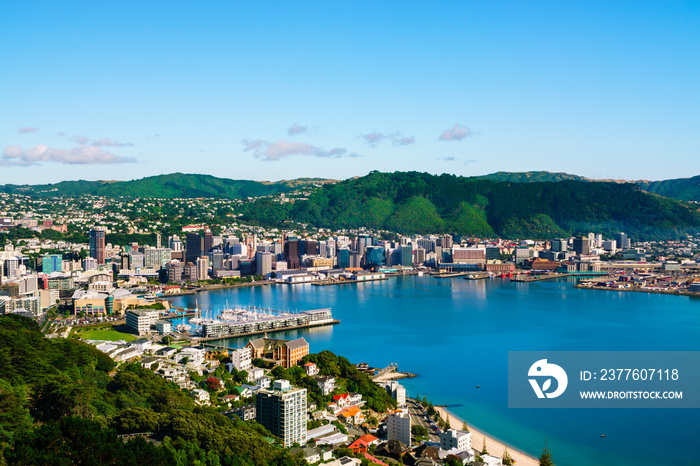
204, 340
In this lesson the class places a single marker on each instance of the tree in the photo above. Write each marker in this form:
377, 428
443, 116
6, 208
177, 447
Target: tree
546, 456
465, 427
484, 451
506, 458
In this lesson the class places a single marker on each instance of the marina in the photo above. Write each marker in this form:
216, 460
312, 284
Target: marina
250, 320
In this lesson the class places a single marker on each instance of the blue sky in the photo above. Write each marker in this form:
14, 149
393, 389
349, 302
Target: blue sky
280, 90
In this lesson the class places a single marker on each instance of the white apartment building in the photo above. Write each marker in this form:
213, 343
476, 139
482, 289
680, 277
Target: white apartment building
455, 439
241, 359
282, 411
398, 426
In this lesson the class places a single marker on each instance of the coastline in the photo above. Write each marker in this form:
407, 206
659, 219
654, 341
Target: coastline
494, 446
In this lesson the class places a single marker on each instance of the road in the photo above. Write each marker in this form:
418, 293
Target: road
420, 417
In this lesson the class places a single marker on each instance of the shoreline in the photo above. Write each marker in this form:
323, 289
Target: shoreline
493, 445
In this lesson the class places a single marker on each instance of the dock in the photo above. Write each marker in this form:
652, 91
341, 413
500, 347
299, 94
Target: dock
343, 282
539, 278
261, 332
477, 276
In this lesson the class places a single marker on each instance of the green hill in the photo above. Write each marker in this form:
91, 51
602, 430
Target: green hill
62, 402
411, 202
530, 177
175, 185
686, 189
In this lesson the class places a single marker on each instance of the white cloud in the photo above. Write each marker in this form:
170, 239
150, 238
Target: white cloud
375, 138
28, 129
457, 133
79, 155
273, 151
295, 129
82, 140
108, 142
404, 141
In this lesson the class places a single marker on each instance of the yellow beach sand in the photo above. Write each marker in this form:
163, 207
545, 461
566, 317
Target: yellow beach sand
493, 446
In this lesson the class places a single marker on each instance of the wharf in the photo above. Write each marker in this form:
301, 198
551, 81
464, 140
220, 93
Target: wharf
262, 331
477, 276
451, 274
343, 282
539, 278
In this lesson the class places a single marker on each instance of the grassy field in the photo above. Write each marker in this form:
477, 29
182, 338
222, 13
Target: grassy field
105, 334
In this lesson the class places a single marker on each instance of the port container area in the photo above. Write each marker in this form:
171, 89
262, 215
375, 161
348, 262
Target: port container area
216, 328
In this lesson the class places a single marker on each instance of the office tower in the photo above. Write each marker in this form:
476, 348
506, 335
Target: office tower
217, 260
156, 257
89, 263
282, 411
193, 247
407, 255
208, 242
623, 242
311, 248
559, 245
446, 242
343, 258
582, 245
52, 263
97, 245
158, 240
175, 243
263, 263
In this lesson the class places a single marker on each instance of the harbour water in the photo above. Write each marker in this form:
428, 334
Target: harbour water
455, 335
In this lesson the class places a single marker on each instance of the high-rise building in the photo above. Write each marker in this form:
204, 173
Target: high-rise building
623, 242
193, 247
398, 426
582, 245
52, 263
97, 245
559, 245
156, 257
343, 258
282, 411
202, 268
207, 242
446, 242
263, 263
407, 255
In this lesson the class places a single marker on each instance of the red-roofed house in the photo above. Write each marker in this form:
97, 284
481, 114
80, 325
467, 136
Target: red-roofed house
358, 446
341, 400
374, 460
311, 369
369, 439
352, 415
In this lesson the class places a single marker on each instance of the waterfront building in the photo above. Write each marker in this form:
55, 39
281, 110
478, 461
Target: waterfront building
468, 255
397, 392
457, 439
343, 258
263, 263
97, 245
398, 426
164, 327
202, 268
406, 255
282, 411
140, 321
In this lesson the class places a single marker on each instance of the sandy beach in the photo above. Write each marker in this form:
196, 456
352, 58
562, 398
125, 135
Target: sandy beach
493, 446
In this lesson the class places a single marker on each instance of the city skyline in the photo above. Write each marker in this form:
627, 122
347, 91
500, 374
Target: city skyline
123, 90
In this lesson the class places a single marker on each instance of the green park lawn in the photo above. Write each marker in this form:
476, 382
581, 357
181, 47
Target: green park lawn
105, 334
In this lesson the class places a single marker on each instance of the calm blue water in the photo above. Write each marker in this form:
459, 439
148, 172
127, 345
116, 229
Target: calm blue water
456, 334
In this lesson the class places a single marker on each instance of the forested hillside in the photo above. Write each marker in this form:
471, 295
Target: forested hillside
412, 202
61, 404
175, 185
